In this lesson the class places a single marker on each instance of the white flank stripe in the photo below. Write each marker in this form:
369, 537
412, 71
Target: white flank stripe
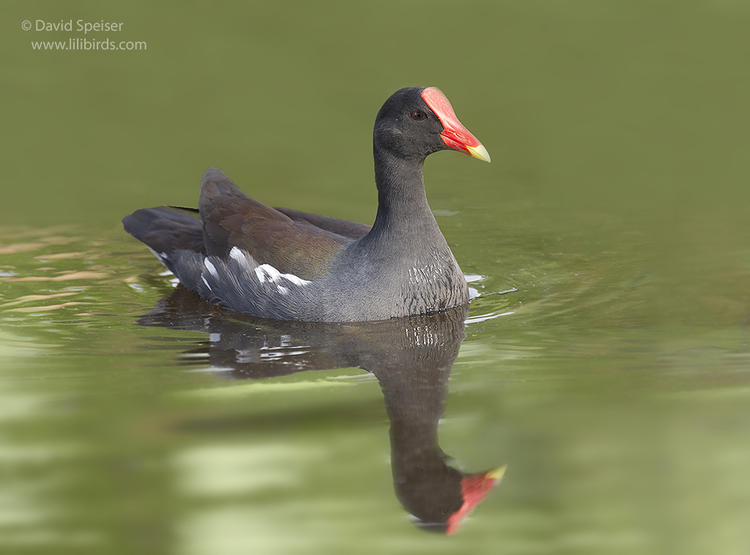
210, 267
237, 254
295, 279
204, 281
266, 272
260, 274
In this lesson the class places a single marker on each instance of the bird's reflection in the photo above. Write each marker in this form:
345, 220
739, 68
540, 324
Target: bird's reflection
411, 359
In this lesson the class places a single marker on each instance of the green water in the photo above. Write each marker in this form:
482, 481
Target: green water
606, 361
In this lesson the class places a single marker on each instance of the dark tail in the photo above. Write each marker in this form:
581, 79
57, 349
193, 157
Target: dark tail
165, 230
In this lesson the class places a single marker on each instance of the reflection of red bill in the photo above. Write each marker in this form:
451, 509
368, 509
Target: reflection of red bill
454, 134
474, 488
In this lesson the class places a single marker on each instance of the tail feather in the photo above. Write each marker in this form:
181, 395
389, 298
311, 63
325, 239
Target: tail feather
165, 230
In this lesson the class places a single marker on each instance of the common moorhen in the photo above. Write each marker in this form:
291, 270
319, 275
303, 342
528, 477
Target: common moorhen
290, 265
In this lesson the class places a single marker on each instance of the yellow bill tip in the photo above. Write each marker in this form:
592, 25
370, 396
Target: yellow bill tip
479, 152
496, 473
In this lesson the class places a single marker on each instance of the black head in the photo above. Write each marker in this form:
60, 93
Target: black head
415, 122
406, 127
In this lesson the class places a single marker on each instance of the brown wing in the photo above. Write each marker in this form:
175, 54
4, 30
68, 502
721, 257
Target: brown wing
232, 219
345, 228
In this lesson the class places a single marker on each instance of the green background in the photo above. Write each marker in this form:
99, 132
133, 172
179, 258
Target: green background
616, 204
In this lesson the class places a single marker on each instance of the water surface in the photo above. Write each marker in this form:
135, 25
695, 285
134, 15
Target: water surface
605, 360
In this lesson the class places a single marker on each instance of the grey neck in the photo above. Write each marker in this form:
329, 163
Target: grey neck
402, 202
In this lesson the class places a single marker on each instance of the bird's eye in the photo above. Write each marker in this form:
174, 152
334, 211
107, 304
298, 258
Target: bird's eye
418, 115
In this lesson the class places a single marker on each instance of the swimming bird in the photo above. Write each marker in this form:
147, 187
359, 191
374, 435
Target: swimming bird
287, 264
